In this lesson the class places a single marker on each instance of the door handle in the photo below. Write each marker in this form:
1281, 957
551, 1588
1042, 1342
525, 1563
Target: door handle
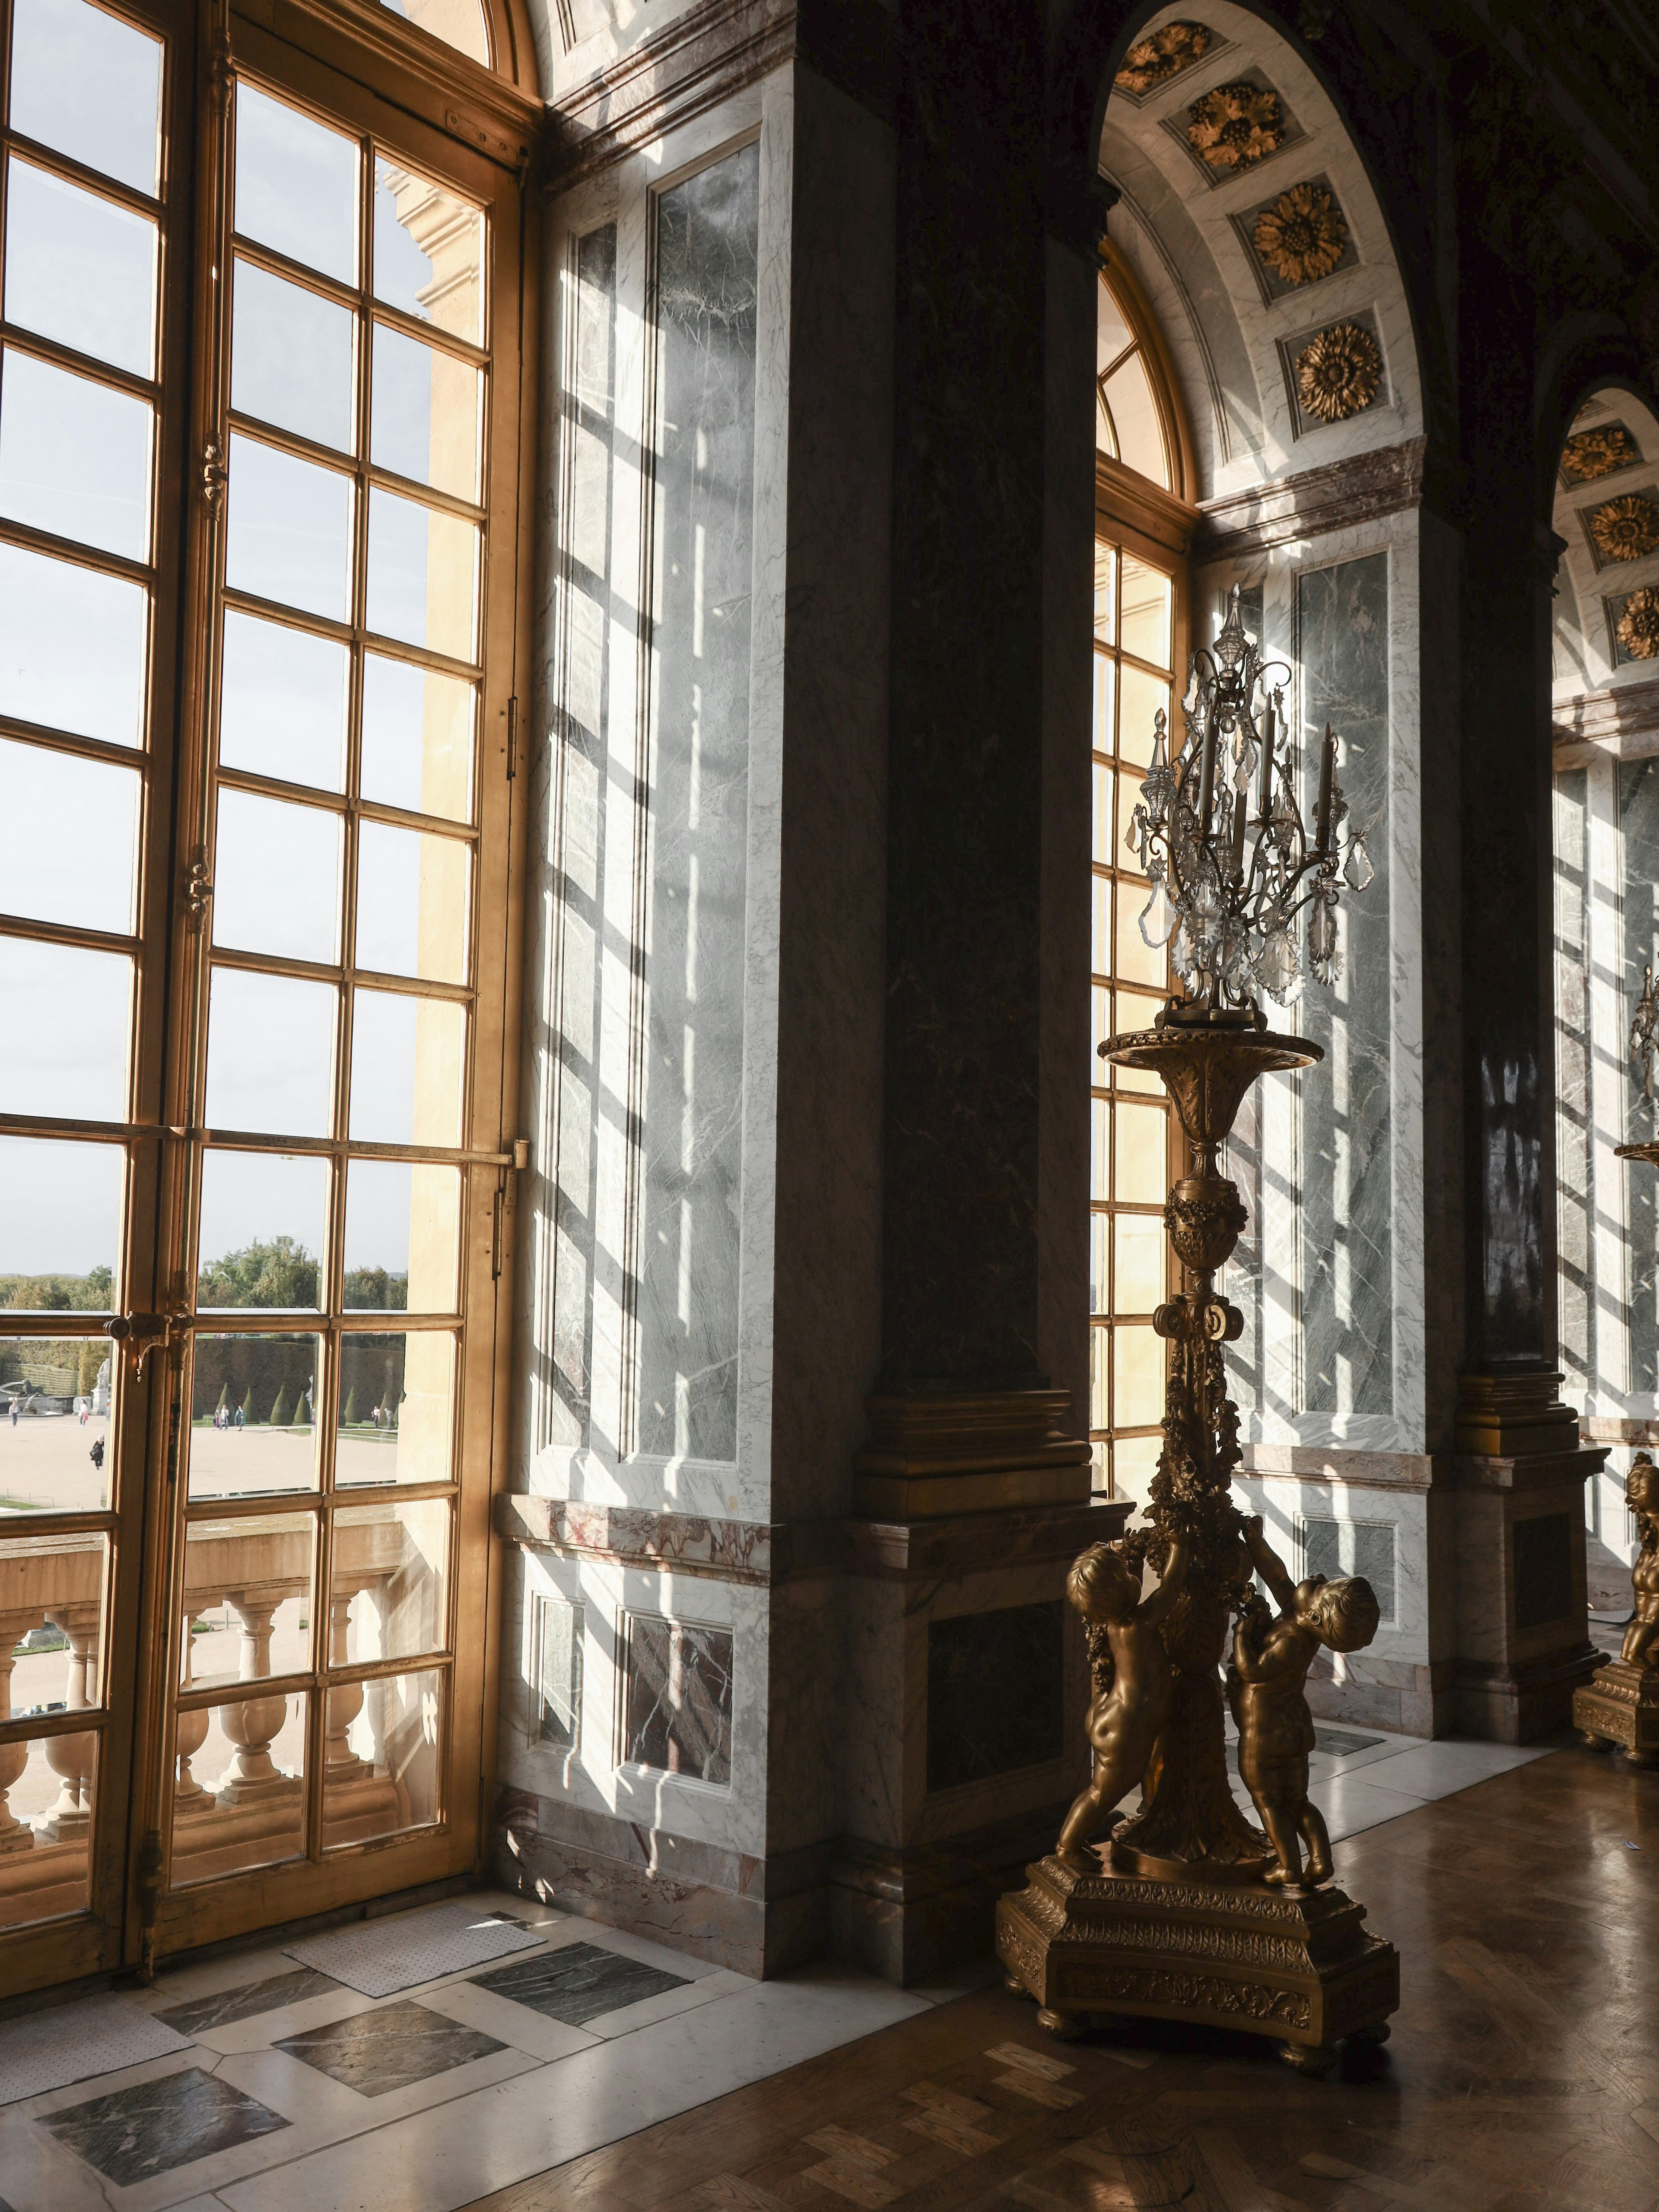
147, 1333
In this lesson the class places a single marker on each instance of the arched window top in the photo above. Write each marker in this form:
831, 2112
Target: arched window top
1137, 419
462, 24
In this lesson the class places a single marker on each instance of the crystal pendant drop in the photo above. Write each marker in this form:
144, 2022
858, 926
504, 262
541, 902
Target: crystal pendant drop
1158, 917
1357, 870
1276, 969
1321, 940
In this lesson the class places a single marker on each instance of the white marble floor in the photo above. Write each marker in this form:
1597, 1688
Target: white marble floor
297, 2094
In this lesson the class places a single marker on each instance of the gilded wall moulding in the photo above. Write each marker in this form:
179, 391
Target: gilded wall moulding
1625, 529
1303, 236
1589, 454
1637, 626
1152, 61
1236, 127
1339, 371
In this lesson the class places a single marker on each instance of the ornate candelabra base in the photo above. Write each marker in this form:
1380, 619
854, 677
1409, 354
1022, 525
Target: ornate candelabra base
1299, 1968
1618, 1709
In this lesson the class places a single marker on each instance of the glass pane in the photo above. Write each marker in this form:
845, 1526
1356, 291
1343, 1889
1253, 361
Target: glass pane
402, 1234
1100, 1347
1100, 1137
291, 358
1135, 1013
390, 1580
423, 576
1147, 601
60, 1224
74, 829
79, 269
72, 647
1105, 594
1105, 784
408, 1069
1138, 1263
51, 1604
248, 1598
69, 1056
1100, 1243
1104, 735
297, 185
1141, 1179
412, 904
1137, 1376
89, 85
283, 702
418, 739
54, 1425
458, 23
270, 1053
1100, 933
1114, 336
1137, 961
74, 456
1128, 393
397, 1408
428, 252
1143, 696
1128, 798
288, 536
1100, 1000
384, 1757
264, 1225
427, 414
238, 1788
276, 878
46, 1789
252, 1429
1134, 1462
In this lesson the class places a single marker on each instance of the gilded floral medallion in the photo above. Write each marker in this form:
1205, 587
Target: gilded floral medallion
1152, 61
1302, 236
1236, 127
1625, 529
1339, 371
1638, 627
1589, 454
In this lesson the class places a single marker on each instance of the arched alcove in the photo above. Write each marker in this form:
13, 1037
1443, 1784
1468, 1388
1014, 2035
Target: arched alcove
1605, 732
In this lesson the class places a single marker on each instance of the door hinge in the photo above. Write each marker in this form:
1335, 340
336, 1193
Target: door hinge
512, 737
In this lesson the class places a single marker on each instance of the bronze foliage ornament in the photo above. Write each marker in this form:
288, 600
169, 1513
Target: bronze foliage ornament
1236, 127
1625, 529
1589, 454
1152, 61
1638, 627
1339, 371
1302, 236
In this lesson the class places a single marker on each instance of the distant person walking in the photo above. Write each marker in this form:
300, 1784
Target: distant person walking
13, 1412
96, 1454
241, 1419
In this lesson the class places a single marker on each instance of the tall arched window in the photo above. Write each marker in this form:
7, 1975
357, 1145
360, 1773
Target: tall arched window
1143, 527
261, 458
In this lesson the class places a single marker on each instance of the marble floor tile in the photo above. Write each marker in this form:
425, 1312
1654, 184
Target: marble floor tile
514, 2024
437, 2161
576, 1982
1352, 1803
637, 2013
374, 2051
132, 2135
399, 1951
260, 2030
1436, 1770
274, 1994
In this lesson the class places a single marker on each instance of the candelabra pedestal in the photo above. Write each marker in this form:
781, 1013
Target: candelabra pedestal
1178, 1923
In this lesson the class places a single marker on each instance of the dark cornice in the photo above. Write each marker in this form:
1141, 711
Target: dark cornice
1335, 497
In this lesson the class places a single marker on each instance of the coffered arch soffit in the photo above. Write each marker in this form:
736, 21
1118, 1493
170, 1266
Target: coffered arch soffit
1606, 514
1247, 217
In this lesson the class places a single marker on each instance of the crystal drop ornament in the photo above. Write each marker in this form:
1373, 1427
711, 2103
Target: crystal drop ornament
1158, 917
1357, 869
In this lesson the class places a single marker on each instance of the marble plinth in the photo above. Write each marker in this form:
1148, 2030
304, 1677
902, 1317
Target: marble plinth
1619, 1708
1299, 1968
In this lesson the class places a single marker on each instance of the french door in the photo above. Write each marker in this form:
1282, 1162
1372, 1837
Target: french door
259, 506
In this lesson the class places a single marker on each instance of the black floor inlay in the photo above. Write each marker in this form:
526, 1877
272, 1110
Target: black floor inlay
577, 1982
195, 2014
374, 2051
131, 2134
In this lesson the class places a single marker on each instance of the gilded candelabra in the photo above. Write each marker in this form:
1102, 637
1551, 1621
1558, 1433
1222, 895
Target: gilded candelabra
1190, 1911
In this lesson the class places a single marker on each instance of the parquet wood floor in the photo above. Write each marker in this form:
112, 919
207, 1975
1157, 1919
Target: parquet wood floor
1522, 2075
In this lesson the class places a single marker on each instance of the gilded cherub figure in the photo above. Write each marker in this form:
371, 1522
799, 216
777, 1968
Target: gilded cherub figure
1270, 1663
1133, 1687
1641, 1645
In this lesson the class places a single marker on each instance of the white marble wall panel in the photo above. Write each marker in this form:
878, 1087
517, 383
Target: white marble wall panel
1284, 1503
